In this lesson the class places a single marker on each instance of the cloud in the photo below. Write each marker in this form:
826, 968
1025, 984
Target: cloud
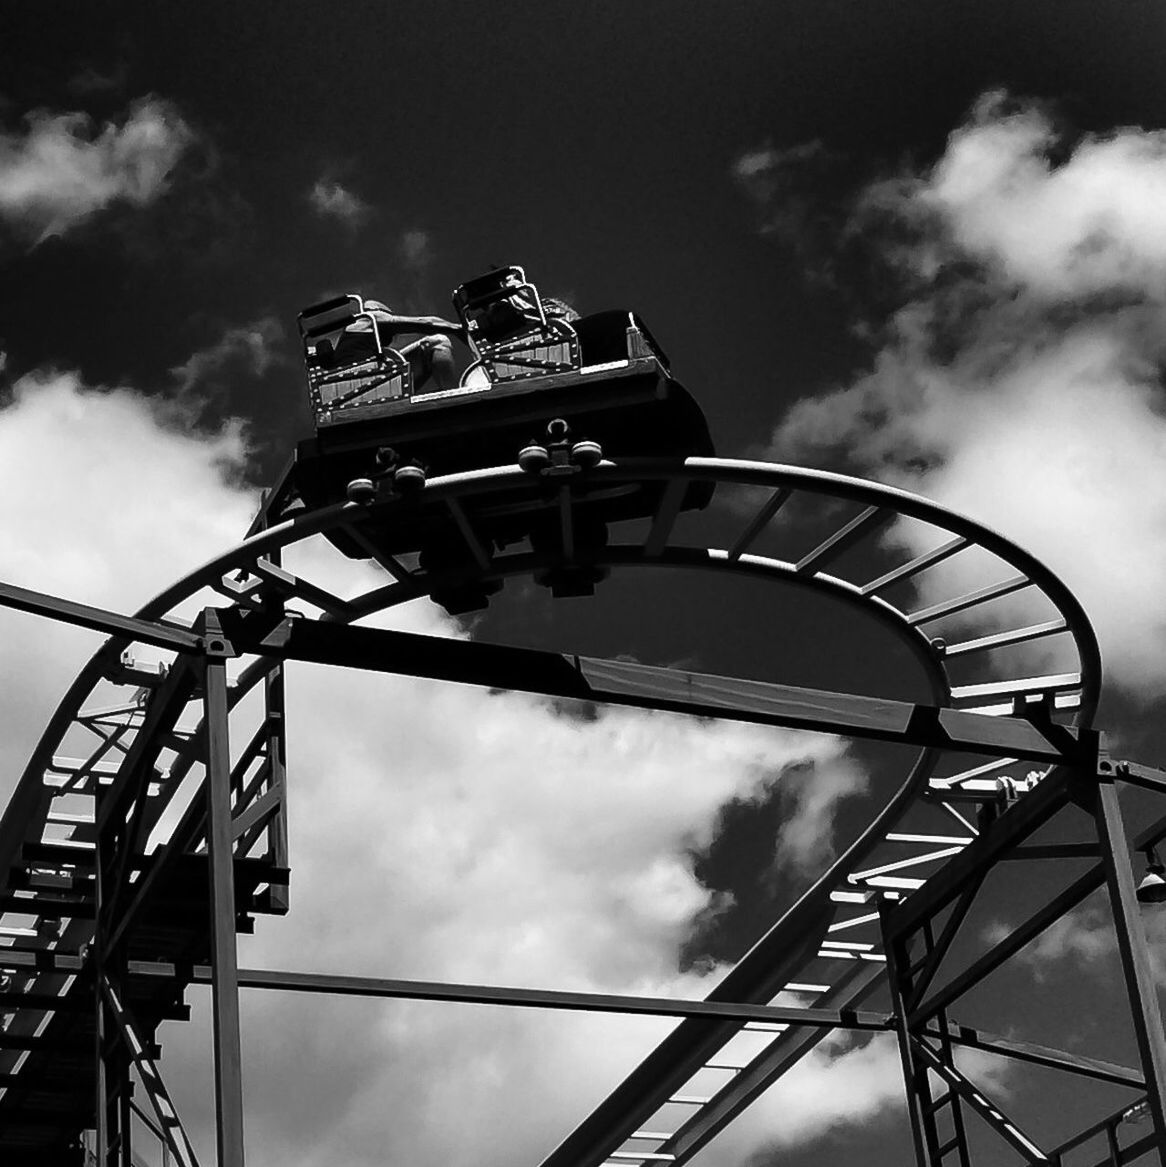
61, 170
800, 193
436, 831
1085, 940
842, 1083
251, 344
105, 502
526, 848
839, 1084
810, 798
90, 80
1019, 377
1084, 935
768, 175
331, 200
1088, 224
416, 250
207, 377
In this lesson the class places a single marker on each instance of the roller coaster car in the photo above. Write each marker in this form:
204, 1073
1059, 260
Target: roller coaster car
604, 375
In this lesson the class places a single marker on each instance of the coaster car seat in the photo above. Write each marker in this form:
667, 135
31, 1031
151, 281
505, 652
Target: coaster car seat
348, 367
509, 329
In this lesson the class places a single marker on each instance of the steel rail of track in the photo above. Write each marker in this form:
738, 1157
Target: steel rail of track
848, 962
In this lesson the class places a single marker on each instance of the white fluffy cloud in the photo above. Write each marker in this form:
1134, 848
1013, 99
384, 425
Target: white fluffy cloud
103, 504
61, 169
1092, 224
1021, 382
438, 832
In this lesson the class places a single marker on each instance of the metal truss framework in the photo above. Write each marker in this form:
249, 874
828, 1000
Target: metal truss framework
110, 859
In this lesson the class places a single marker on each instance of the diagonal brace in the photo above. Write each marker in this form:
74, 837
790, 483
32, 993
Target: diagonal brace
923, 978
985, 1108
174, 1134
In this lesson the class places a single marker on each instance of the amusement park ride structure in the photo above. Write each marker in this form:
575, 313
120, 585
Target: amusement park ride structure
148, 828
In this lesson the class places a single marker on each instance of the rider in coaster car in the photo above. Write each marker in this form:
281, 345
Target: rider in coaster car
431, 355
518, 313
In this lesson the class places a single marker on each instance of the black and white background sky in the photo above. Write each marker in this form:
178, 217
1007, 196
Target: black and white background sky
919, 240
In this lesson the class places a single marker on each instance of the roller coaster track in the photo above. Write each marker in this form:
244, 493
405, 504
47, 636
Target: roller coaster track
987, 736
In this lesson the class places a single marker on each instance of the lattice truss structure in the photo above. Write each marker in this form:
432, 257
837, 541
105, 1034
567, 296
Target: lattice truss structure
149, 828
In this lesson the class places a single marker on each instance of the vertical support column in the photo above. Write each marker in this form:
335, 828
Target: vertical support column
274, 700
898, 959
224, 955
101, 1131
918, 1058
112, 1082
1112, 1145
1135, 957
97, 960
125, 1121
959, 1139
277, 778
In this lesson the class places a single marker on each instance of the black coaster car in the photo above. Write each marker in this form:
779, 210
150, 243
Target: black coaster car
604, 375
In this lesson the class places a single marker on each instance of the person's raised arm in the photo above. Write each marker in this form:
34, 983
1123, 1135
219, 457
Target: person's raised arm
423, 325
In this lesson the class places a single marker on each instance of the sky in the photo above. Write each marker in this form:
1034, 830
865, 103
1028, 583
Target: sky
919, 241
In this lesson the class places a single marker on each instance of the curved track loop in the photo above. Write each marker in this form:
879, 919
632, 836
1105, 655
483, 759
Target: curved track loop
826, 950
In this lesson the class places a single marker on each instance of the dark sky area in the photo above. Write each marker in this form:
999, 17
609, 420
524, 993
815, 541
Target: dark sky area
599, 145
592, 143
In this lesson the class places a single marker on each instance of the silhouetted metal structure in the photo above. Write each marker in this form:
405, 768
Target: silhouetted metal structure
139, 840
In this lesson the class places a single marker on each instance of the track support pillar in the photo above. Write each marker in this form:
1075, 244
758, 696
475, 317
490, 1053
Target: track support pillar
220, 846
932, 1148
1145, 1011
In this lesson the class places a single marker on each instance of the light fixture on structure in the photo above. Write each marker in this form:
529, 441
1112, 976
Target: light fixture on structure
1152, 889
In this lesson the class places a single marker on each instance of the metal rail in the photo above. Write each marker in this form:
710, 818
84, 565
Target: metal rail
828, 950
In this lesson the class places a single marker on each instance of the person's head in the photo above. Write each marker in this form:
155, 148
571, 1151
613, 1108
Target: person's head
558, 309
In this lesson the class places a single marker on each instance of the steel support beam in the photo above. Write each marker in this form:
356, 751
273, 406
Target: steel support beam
1108, 1127
1016, 939
1135, 956
352, 986
916, 1087
113, 1129
169, 1127
119, 839
922, 976
205, 649
764, 1069
98, 619
671, 690
275, 705
224, 955
981, 1104
101, 1131
1040, 1055
1005, 834
916, 1003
